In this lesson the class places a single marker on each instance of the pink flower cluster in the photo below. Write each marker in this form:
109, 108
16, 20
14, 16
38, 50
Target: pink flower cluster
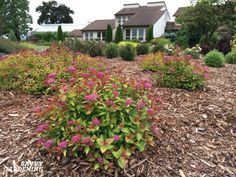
41, 128
91, 97
95, 122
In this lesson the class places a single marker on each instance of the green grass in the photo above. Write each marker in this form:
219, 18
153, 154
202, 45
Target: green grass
34, 46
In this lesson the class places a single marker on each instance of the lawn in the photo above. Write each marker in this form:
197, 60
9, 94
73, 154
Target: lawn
197, 130
34, 46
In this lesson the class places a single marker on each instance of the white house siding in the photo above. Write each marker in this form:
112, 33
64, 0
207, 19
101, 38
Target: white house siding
160, 25
93, 35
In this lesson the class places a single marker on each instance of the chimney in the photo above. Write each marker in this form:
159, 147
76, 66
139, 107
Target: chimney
134, 5
153, 4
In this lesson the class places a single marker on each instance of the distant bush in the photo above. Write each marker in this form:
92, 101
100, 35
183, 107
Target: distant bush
195, 52
161, 43
214, 59
12, 36
46, 36
94, 49
127, 52
111, 51
231, 57
124, 43
142, 49
7, 46
175, 72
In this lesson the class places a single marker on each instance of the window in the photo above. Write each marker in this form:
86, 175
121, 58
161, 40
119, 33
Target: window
86, 36
134, 33
91, 35
127, 34
119, 20
141, 34
99, 36
103, 36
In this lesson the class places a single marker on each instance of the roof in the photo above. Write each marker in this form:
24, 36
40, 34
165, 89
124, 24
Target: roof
170, 26
99, 25
144, 16
76, 33
53, 27
179, 11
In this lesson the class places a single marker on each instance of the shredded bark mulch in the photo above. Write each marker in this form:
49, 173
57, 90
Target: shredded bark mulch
198, 132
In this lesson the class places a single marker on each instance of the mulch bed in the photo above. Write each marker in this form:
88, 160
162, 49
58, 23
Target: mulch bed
198, 131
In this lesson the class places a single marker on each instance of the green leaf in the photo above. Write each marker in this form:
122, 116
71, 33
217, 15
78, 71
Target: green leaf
122, 162
125, 130
86, 150
65, 152
117, 154
103, 148
139, 136
96, 166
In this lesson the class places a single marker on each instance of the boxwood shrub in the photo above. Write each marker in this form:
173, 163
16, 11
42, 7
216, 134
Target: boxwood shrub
127, 52
111, 51
214, 59
230, 58
142, 49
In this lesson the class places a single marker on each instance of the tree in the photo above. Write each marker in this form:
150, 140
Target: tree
150, 33
52, 13
60, 34
109, 33
12, 36
14, 15
204, 19
119, 34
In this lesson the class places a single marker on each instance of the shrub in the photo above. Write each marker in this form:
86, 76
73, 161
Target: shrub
60, 36
94, 49
27, 70
109, 33
150, 33
99, 118
195, 52
12, 36
119, 34
142, 49
161, 45
233, 43
7, 46
124, 43
231, 57
127, 52
214, 59
175, 72
111, 51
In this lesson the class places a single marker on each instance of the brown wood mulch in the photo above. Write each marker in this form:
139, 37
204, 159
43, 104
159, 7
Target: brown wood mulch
198, 132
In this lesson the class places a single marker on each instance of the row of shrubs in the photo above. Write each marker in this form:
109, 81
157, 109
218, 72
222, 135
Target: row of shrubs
217, 59
7, 46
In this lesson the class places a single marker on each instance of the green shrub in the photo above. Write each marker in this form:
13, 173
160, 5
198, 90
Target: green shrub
99, 118
231, 57
124, 43
111, 51
109, 33
161, 45
94, 49
195, 52
12, 36
233, 43
142, 49
175, 72
7, 46
119, 34
60, 36
127, 52
150, 34
214, 59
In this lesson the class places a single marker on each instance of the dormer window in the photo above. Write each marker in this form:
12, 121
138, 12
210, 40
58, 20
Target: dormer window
122, 19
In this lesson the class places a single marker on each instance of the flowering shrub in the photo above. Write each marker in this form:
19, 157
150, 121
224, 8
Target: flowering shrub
194, 52
176, 71
27, 70
214, 59
99, 118
231, 57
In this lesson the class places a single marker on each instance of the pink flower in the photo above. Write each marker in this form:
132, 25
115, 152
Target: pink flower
95, 122
40, 141
71, 69
140, 105
71, 122
63, 145
48, 144
52, 75
50, 81
115, 93
147, 85
72, 80
87, 141
150, 112
91, 84
77, 53
110, 103
76, 138
84, 75
37, 109
116, 138
155, 130
100, 75
42, 128
158, 99
128, 102
91, 97
100, 160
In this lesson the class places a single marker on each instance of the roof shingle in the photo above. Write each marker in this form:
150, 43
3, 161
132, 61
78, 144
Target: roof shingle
99, 25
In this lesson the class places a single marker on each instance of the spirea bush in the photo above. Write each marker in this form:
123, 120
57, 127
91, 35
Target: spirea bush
99, 118
230, 58
195, 52
26, 71
127, 52
176, 71
112, 51
142, 49
214, 59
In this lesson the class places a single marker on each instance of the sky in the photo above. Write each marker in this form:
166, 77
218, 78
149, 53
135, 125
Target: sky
89, 10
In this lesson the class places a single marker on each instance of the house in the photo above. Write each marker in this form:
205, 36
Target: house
134, 19
75, 34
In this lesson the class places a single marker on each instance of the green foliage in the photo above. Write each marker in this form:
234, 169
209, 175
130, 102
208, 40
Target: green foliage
14, 15
175, 72
182, 39
195, 52
119, 34
44, 36
94, 49
7, 46
109, 33
127, 52
162, 45
142, 49
233, 44
214, 59
124, 43
52, 13
60, 36
231, 57
111, 51
149, 34
99, 118
12, 36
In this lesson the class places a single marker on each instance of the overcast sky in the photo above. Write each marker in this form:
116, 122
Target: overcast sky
90, 10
